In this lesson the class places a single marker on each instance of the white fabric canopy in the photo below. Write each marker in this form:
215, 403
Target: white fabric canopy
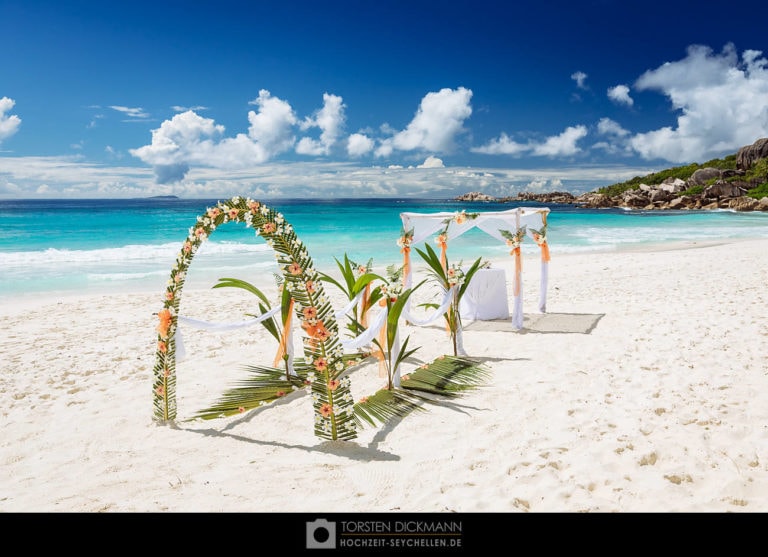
454, 224
426, 224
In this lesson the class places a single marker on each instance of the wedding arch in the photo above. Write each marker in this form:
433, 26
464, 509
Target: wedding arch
332, 401
509, 226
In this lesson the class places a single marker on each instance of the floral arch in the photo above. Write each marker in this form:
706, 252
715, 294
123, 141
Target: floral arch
323, 353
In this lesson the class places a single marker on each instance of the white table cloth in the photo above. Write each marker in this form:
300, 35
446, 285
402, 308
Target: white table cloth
486, 296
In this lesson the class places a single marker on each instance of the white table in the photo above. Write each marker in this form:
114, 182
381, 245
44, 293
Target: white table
486, 296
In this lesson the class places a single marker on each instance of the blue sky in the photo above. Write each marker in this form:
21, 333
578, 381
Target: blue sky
368, 99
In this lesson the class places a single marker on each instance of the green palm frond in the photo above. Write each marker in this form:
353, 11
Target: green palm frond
385, 405
237, 283
270, 325
404, 352
265, 385
447, 376
478, 263
329, 279
433, 260
517, 236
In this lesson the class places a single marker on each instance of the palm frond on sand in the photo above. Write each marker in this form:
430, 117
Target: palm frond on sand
386, 404
263, 386
447, 376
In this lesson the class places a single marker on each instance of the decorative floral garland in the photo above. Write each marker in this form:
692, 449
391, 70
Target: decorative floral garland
454, 275
331, 397
406, 239
404, 243
460, 217
515, 240
540, 237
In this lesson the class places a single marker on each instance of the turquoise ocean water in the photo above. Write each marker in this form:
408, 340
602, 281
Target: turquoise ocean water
100, 246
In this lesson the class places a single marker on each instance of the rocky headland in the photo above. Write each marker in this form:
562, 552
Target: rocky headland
739, 188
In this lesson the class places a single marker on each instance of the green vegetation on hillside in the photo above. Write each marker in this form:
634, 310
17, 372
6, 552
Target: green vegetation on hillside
758, 174
682, 172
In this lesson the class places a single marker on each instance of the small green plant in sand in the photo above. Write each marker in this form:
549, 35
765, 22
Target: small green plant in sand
449, 278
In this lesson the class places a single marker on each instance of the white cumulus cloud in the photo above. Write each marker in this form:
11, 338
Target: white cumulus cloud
182, 138
359, 144
564, 144
432, 162
189, 139
330, 119
272, 126
615, 135
439, 119
504, 145
580, 78
620, 95
9, 124
606, 126
721, 101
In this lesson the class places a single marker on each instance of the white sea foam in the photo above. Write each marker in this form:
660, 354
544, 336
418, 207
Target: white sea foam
145, 252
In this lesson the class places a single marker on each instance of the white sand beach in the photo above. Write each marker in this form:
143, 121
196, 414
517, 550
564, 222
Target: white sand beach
643, 389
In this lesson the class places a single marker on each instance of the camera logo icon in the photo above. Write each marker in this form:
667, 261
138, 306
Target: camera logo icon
321, 534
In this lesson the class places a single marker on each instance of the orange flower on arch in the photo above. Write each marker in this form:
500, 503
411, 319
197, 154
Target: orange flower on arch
322, 334
333, 384
316, 330
321, 364
310, 313
214, 212
326, 410
268, 228
294, 268
254, 206
233, 212
162, 346
311, 286
165, 322
278, 394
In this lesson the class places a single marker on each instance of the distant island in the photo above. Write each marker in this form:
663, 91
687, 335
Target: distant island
162, 197
738, 182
